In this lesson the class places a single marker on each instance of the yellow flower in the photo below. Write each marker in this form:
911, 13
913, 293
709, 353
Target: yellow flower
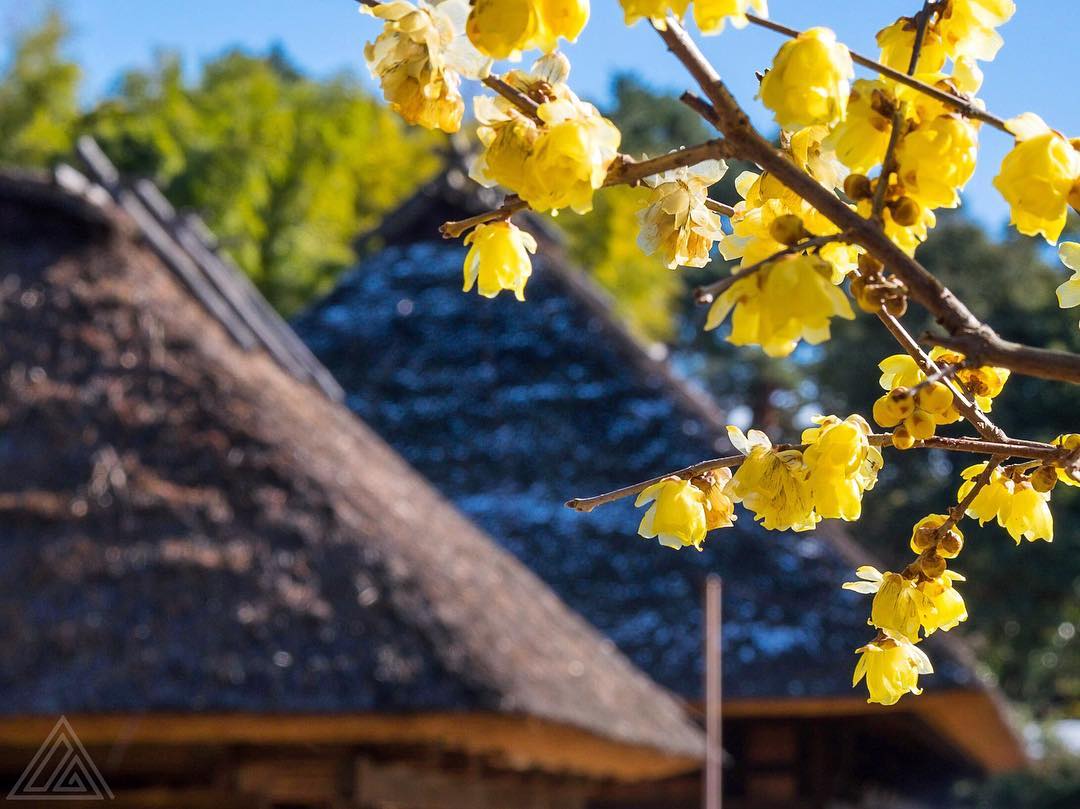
655, 10
898, 604
772, 484
683, 511
1037, 176
896, 42
1018, 508
936, 160
808, 150
985, 381
499, 259
809, 80
419, 59
570, 157
677, 223
710, 15
947, 607
1070, 441
1068, 294
791, 299
906, 237
861, 138
967, 27
841, 465
891, 666
503, 28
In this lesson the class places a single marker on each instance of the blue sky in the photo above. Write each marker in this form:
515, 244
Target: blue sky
1035, 71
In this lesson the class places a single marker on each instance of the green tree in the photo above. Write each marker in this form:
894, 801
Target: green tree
38, 97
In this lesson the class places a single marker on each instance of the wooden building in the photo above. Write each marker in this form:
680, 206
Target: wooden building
531, 404
234, 590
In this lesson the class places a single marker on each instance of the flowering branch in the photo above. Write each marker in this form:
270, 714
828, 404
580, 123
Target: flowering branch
962, 326
1047, 453
962, 105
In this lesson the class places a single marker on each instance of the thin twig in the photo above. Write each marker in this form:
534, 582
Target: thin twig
963, 105
957, 512
1047, 452
888, 162
454, 229
708, 293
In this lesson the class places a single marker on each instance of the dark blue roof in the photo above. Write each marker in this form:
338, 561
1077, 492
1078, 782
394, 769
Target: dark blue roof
512, 408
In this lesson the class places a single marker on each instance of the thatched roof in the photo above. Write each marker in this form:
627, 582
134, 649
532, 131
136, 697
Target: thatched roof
534, 403
189, 526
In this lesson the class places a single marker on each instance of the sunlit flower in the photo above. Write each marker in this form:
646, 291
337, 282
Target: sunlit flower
810, 151
809, 80
1017, 506
891, 666
1037, 177
936, 159
677, 224
897, 41
1070, 441
899, 605
503, 28
682, 511
771, 483
710, 15
1068, 294
655, 10
947, 607
498, 259
967, 27
791, 299
420, 57
861, 138
841, 465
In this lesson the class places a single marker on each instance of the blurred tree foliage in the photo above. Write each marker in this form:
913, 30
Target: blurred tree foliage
286, 170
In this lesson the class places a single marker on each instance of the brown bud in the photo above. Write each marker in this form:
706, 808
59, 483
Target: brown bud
858, 285
902, 439
950, 545
857, 186
931, 565
905, 211
925, 538
1044, 479
788, 229
868, 265
896, 305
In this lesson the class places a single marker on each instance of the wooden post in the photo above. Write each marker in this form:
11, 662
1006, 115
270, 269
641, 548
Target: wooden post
714, 750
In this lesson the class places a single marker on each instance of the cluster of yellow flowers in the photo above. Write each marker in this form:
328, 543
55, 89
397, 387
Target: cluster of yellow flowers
915, 407
504, 28
919, 598
420, 58
710, 15
1020, 503
557, 161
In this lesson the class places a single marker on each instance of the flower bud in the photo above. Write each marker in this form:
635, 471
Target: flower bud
896, 305
857, 186
868, 265
902, 438
904, 401
788, 229
886, 413
935, 397
905, 212
924, 538
920, 424
1044, 479
950, 545
931, 565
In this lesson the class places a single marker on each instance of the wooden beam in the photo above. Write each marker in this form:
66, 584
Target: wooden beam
516, 743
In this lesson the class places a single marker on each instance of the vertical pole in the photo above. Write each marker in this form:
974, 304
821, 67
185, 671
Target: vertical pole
714, 750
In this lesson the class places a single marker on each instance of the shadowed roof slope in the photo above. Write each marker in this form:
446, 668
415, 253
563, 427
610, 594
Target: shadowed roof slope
188, 527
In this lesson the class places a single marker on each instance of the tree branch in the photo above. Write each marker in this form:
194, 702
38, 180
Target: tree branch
726, 114
708, 293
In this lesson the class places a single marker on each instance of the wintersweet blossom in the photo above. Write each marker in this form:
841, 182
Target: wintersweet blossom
1068, 294
771, 483
420, 57
948, 607
841, 465
809, 82
1013, 501
791, 299
677, 223
935, 160
1037, 177
899, 605
710, 15
967, 27
682, 512
654, 10
859, 141
498, 259
891, 665
504, 28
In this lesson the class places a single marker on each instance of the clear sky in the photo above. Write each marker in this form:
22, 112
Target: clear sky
1036, 70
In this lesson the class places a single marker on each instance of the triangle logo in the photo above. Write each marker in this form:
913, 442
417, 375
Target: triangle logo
61, 770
